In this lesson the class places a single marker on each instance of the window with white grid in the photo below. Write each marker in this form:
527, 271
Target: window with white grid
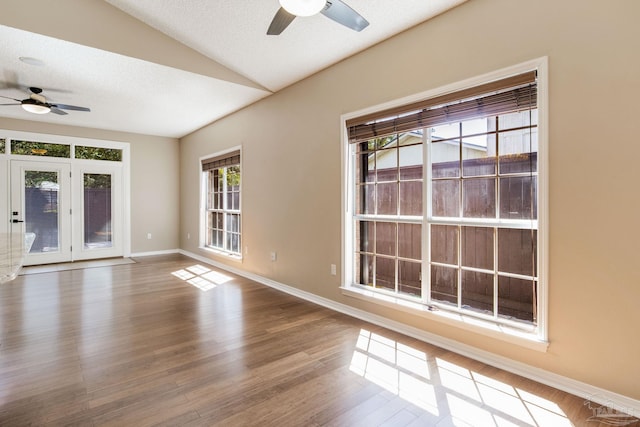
221, 178
444, 200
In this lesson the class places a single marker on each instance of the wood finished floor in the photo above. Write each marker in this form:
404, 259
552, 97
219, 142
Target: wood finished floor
167, 341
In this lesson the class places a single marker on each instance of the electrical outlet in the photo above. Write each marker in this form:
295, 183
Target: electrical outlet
274, 256
333, 269
188, 236
149, 236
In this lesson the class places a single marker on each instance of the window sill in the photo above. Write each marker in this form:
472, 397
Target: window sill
469, 323
221, 254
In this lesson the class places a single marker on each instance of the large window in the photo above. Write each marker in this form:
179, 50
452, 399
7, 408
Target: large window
221, 185
444, 202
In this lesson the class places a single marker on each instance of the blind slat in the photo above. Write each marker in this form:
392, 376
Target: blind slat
228, 159
434, 111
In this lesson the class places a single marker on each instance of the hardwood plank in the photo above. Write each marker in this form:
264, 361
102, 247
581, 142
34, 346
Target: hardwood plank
136, 345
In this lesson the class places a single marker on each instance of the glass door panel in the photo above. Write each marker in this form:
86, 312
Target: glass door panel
40, 213
42, 210
98, 201
97, 211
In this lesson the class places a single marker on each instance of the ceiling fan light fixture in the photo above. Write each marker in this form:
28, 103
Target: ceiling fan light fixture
35, 107
303, 7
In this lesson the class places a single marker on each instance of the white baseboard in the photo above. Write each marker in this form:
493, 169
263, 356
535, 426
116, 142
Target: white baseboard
589, 392
152, 253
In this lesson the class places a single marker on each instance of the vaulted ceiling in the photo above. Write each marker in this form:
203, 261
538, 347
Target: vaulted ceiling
169, 67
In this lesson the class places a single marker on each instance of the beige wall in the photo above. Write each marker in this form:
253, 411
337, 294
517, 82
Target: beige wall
291, 177
154, 181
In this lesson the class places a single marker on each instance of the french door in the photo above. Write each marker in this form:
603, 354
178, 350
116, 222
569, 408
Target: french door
66, 215
41, 209
97, 229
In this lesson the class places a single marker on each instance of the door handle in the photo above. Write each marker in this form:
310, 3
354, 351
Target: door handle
16, 221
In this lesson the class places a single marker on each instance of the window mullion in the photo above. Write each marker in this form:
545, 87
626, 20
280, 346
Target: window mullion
426, 216
225, 208
460, 215
397, 234
374, 253
495, 229
495, 272
459, 238
222, 206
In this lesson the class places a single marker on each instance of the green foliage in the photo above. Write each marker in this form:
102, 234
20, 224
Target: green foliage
94, 180
2, 145
41, 149
233, 176
98, 153
33, 179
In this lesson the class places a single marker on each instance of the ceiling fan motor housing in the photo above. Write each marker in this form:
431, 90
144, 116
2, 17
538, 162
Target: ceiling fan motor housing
38, 98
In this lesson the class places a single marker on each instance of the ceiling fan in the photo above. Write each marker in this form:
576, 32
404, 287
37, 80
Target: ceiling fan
38, 104
332, 9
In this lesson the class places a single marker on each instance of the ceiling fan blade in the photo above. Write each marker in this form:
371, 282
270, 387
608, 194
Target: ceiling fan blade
13, 99
68, 107
9, 104
343, 14
54, 110
281, 20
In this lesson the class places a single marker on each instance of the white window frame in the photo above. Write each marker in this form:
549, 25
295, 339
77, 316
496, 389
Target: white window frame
534, 338
204, 187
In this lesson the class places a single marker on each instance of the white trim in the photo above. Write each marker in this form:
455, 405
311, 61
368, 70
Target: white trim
541, 66
73, 141
60, 139
126, 200
202, 220
578, 388
154, 253
4, 194
63, 217
346, 224
223, 254
113, 169
480, 326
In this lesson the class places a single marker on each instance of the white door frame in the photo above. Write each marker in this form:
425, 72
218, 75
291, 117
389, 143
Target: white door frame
125, 212
6, 256
62, 253
80, 250
4, 194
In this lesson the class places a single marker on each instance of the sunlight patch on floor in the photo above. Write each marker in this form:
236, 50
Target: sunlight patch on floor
399, 369
201, 277
442, 387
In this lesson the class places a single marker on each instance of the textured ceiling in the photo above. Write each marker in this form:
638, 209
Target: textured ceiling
233, 33
178, 65
123, 93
